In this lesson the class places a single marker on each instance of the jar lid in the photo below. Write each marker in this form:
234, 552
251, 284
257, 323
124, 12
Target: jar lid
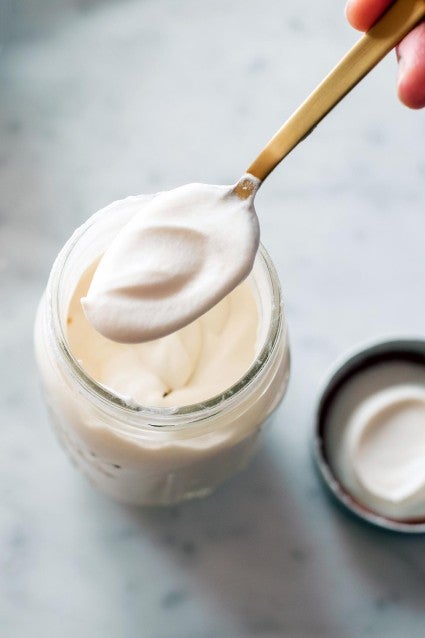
349, 398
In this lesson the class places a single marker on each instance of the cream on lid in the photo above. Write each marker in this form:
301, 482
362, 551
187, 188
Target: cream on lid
388, 443
375, 438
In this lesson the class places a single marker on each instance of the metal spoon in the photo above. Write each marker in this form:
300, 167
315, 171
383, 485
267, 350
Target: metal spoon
396, 22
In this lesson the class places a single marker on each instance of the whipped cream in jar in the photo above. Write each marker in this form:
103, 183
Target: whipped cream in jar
156, 452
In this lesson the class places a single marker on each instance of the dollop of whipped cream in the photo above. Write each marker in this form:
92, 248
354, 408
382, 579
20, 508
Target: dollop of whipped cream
386, 442
375, 438
181, 253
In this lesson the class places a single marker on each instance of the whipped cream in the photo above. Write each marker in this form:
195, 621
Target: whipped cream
191, 365
376, 438
160, 455
181, 253
387, 444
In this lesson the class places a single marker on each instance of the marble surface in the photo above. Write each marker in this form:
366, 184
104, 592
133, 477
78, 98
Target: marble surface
103, 99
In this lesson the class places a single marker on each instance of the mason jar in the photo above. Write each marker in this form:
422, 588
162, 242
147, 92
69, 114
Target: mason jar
147, 455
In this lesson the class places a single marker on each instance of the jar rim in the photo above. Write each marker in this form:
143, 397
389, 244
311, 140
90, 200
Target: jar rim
192, 412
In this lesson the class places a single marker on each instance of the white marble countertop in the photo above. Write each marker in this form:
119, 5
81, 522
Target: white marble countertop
104, 99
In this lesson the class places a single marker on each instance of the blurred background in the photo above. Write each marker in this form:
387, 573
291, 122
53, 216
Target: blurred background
102, 99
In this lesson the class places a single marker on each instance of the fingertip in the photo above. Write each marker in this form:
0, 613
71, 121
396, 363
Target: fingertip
362, 14
354, 16
410, 94
411, 74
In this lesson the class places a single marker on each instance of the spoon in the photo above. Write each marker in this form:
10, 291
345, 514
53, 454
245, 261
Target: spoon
177, 257
396, 22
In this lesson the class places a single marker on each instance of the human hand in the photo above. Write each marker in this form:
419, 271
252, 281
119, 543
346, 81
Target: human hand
410, 52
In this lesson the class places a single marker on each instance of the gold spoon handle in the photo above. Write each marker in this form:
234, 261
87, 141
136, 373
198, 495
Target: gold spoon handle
396, 22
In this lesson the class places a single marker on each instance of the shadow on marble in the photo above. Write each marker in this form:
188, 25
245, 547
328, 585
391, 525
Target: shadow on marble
248, 548
390, 564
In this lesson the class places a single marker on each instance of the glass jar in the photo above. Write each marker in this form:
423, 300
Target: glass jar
144, 455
